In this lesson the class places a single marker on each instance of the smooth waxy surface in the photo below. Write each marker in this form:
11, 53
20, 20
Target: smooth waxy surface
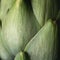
18, 27
42, 46
21, 56
4, 54
44, 10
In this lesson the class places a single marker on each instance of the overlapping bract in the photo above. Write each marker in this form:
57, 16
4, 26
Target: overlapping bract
18, 27
23, 28
43, 44
44, 10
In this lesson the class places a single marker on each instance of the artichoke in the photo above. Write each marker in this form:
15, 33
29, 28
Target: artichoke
28, 30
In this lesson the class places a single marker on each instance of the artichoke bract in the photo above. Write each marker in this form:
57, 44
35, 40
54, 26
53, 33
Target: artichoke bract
21, 56
27, 29
44, 10
4, 54
5, 7
18, 27
43, 45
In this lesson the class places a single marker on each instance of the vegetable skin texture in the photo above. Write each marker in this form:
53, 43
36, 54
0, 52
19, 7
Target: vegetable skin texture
43, 45
18, 27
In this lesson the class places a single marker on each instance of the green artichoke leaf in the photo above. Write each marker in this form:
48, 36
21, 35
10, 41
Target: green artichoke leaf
43, 45
4, 54
5, 7
18, 27
21, 56
51, 9
44, 10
